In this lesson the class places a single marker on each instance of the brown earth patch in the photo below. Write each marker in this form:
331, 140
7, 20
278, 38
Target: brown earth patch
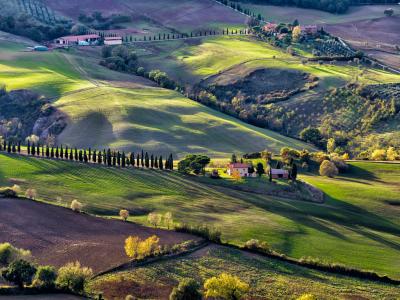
259, 86
56, 235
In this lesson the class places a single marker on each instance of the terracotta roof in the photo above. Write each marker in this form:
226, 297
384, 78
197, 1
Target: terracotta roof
238, 165
74, 38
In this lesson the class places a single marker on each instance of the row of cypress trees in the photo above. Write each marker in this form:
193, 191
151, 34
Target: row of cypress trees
106, 157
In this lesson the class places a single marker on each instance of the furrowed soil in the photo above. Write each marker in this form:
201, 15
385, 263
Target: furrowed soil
57, 235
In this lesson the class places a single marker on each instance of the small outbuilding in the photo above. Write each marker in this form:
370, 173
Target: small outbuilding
240, 168
278, 173
113, 40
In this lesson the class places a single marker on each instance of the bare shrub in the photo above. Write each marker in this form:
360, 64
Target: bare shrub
124, 214
31, 194
76, 206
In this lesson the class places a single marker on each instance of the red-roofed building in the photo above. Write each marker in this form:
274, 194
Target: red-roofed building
279, 174
270, 27
78, 39
241, 169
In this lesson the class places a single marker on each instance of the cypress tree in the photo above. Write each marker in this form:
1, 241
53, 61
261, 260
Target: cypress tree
38, 149
114, 159
71, 155
105, 156
33, 150
146, 160
19, 147
156, 163
99, 158
9, 147
171, 162
80, 156
43, 152
47, 151
132, 159
52, 152
90, 154
29, 147
161, 164
119, 159
85, 157
94, 158
152, 161
62, 152
4, 145
57, 152
142, 159
123, 160
14, 149
76, 154
137, 160
66, 152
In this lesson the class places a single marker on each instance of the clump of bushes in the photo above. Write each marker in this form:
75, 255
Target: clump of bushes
19, 272
119, 58
226, 286
10, 254
31, 193
328, 169
73, 277
187, 289
8, 192
45, 277
256, 245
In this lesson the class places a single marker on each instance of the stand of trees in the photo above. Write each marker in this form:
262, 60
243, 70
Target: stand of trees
111, 158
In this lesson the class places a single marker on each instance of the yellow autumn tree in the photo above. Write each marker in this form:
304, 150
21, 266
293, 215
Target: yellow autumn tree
132, 246
226, 286
296, 33
378, 154
136, 248
307, 297
236, 175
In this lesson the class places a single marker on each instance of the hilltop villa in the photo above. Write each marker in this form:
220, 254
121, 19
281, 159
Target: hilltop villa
240, 168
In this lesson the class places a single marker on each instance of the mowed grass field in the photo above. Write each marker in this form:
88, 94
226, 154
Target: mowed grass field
195, 60
128, 112
356, 226
268, 278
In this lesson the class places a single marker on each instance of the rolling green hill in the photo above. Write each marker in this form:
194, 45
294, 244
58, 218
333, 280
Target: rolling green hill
128, 112
358, 224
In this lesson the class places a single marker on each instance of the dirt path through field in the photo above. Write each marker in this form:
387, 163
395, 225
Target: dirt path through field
56, 235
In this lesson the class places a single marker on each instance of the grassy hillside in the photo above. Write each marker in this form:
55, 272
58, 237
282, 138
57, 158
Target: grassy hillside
194, 60
127, 112
355, 226
268, 279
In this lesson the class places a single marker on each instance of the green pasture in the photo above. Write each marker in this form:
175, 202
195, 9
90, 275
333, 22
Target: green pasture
355, 226
268, 278
49, 73
160, 121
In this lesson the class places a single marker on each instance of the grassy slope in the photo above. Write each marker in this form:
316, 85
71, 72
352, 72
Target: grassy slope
361, 232
192, 61
137, 116
269, 279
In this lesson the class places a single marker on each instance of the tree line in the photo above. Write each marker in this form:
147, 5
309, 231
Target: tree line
110, 158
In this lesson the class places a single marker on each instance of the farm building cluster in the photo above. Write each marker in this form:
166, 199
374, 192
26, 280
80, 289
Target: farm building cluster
245, 170
88, 40
280, 31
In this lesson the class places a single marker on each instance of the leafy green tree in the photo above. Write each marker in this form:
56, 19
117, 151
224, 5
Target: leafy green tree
19, 272
193, 163
311, 135
188, 289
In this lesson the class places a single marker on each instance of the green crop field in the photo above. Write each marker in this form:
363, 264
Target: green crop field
268, 278
355, 226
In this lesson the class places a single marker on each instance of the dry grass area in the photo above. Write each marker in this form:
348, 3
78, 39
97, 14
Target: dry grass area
56, 235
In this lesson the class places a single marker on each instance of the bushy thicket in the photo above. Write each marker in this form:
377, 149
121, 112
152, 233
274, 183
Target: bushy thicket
210, 234
119, 58
27, 26
99, 22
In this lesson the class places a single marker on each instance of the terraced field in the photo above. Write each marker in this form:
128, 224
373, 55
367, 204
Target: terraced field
358, 225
